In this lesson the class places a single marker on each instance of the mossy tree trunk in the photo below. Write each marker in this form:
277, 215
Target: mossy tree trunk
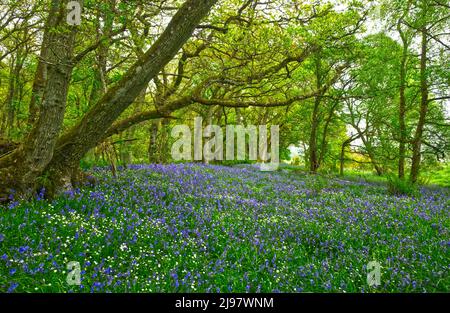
21, 168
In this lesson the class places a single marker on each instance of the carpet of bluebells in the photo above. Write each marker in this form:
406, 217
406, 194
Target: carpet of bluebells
207, 228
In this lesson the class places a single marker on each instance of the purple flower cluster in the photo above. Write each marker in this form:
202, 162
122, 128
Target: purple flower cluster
207, 228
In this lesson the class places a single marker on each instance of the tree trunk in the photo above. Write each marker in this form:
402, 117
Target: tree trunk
369, 149
342, 154
40, 76
153, 143
323, 146
100, 81
417, 141
9, 103
209, 121
313, 160
342, 158
315, 119
375, 164
164, 143
21, 168
15, 88
402, 107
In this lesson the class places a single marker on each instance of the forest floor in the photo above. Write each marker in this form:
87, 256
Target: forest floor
207, 228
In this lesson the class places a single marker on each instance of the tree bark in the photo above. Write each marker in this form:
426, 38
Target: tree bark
315, 121
164, 141
9, 103
402, 106
21, 168
342, 157
40, 76
153, 143
323, 146
313, 160
417, 140
100, 81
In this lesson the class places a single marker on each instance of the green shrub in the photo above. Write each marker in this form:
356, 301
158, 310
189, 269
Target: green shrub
424, 181
401, 187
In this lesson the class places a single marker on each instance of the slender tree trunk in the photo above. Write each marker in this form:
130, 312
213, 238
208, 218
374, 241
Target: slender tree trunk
315, 119
372, 157
209, 121
100, 81
402, 107
40, 76
313, 160
370, 151
15, 88
417, 141
239, 118
323, 146
342, 154
9, 103
3, 125
164, 143
342, 158
153, 143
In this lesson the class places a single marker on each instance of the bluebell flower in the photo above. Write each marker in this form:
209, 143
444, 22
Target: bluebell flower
23, 249
12, 287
